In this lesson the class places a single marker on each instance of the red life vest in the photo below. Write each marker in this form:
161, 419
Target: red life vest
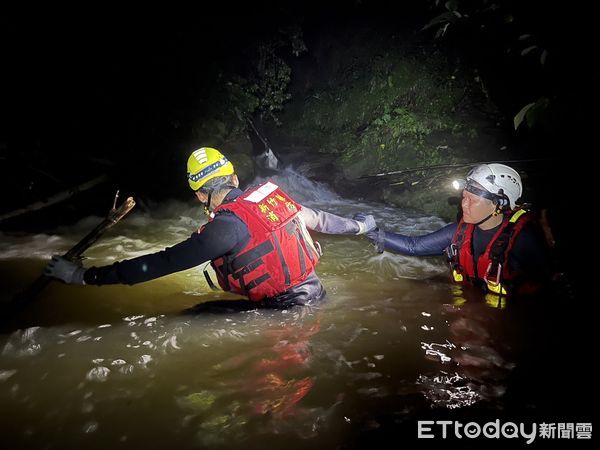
280, 253
491, 267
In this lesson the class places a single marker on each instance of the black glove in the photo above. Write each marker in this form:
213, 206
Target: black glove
366, 222
65, 270
377, 237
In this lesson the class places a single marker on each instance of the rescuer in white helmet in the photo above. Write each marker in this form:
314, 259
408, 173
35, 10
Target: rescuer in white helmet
496, 244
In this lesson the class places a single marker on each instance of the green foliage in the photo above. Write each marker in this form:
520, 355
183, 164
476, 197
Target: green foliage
381, 114
241, 98
270, 82
225, 110
261, 90
486, 17
533, 113
270, 75
520, 117
509, 27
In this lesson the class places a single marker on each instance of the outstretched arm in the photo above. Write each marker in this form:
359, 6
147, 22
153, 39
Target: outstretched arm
328, 223
215, 239
431, 244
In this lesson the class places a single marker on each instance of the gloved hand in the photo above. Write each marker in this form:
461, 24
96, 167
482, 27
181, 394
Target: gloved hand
366, 222
377, 237
65, 270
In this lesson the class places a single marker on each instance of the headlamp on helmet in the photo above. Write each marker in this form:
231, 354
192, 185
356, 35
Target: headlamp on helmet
498, 180
470, 185
459, 185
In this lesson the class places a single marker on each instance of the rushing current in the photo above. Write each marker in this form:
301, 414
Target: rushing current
125, 367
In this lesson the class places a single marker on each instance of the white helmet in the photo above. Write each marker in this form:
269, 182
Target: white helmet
498, 179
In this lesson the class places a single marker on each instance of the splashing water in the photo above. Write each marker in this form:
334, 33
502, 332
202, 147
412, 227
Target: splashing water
120, 365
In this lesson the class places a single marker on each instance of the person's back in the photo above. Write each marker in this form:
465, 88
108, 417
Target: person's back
257, 241
274, 262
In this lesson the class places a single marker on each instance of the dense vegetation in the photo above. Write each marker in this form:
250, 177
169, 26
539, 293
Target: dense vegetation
371, 87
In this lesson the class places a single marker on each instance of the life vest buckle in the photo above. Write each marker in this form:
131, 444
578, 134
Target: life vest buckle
318, 247
451, 251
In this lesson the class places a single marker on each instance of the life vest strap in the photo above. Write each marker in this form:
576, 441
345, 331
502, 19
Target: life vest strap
457, 244
257, 252
209, 280
286, 270
226, 270
247, 269
309, 247
499, 251
264, 277
301, 256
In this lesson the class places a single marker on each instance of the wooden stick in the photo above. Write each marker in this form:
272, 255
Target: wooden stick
114, 215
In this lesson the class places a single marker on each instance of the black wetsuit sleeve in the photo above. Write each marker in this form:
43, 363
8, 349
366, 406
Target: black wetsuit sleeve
427, 245
217, 238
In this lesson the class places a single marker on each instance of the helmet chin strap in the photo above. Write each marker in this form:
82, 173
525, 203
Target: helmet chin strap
207, 204
497, 210
485, 219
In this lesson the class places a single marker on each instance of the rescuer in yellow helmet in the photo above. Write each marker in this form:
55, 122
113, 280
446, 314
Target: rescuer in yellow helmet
256, 240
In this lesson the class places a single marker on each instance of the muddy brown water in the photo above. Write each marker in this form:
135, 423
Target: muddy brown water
123, 367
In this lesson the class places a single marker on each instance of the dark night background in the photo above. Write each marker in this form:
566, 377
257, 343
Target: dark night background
92, 92
126, 87
116, 92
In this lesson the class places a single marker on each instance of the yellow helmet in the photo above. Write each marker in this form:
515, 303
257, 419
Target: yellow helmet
205, 164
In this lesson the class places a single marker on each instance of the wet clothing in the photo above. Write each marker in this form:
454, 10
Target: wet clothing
491, 266
280, 253
528, 256
226, 234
